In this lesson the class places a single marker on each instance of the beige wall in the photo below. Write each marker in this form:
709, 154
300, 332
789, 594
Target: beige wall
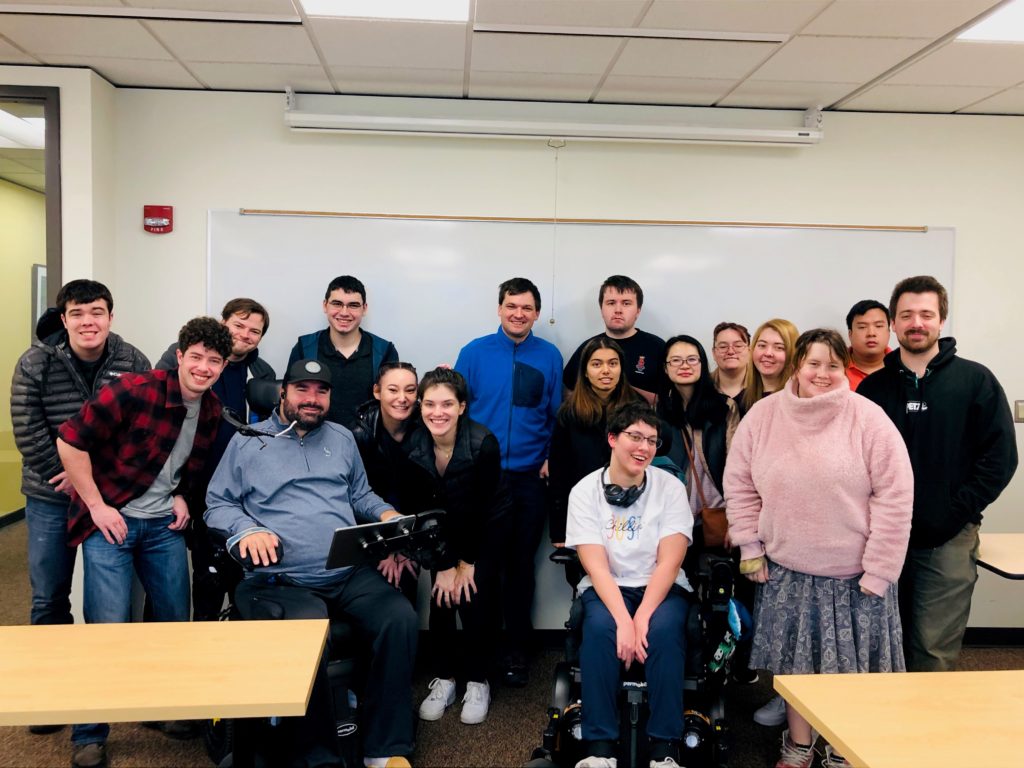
22, 244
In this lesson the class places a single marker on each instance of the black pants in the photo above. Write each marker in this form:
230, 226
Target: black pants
524, 528
387, 623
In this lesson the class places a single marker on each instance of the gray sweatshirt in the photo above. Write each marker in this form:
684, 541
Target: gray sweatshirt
301, 489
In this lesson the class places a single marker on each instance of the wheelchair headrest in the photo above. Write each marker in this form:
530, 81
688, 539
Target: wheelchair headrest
263, 395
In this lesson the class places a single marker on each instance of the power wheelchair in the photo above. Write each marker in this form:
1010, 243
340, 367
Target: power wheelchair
710, 641
253, 742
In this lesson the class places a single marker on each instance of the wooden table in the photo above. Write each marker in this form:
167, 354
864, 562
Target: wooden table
1002, 553
157, 671
898, 720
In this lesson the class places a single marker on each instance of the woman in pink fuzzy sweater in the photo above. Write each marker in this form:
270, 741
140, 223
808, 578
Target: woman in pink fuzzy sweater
819, 492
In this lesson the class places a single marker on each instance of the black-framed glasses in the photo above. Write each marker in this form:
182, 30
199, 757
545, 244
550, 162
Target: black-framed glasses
637, 438
675, 362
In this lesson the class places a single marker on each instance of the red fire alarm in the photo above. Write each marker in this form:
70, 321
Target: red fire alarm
158, 219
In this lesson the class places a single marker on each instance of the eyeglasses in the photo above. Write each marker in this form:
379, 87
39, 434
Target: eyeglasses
675, 362
352, 306
637, 438
724, 346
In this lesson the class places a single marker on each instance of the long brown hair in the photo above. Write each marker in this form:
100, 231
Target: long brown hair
754, 390
584, 405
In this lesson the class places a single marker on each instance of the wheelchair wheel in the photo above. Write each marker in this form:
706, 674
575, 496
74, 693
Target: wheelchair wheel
218, 739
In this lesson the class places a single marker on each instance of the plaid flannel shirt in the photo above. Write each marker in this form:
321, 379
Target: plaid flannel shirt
128, 429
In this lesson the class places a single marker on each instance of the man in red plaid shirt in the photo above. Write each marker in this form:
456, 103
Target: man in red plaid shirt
130, 453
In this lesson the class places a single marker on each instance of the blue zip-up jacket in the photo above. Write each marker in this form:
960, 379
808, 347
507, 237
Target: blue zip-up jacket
515, 391
300, 488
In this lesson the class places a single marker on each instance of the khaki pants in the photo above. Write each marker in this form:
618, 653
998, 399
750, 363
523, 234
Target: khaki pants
935, 600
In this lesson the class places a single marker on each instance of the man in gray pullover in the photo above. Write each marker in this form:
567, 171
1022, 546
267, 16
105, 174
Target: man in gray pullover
284, 493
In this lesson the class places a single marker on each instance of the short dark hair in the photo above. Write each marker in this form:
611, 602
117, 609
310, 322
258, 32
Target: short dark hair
207, 331
622, 284
448, 377
83, 292
740, 329
246, 307
862, 307
515, 286
920, 284
348, 284
830, 338
624, 417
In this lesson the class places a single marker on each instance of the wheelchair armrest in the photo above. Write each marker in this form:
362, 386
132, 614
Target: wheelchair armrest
564, 556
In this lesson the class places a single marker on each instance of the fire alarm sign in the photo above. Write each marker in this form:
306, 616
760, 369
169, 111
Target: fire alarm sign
158, 219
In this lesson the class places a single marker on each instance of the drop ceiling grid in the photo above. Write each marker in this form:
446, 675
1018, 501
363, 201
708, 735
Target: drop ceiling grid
193, 41
45, 36
896, 18
559, 13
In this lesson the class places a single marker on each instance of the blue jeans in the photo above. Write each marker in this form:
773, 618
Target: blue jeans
51, 562
159, 557
665, 666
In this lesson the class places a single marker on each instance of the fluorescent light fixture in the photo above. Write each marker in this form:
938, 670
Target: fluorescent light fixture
548, 120
416, 10
1005, 25
22, 133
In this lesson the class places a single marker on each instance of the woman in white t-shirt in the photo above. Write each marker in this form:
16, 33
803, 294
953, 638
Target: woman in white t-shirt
631, 526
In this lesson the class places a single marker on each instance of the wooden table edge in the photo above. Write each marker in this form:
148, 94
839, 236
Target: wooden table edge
781, 686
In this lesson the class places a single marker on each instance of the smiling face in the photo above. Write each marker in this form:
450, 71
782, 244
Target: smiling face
730, 351
518, 312
396, 391
917, 323
306, 403
633, 449
246, 333
198, 369
869, 335
682, 364
88, 327
440, 410
604, 369
820, 372
344, 311
620, 310
769, 353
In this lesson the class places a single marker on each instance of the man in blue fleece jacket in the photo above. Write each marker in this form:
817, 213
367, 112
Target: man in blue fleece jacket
287, 491
515, 388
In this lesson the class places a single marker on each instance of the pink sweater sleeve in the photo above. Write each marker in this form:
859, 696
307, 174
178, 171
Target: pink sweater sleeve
742, 501
891, 503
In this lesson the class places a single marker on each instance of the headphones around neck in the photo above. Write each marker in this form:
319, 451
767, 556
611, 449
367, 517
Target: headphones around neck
618, 496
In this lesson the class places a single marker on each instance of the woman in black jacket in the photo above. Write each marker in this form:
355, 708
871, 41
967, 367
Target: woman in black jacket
579, 441
456, 466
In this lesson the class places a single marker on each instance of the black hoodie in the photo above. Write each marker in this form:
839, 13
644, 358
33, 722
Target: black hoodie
958, 429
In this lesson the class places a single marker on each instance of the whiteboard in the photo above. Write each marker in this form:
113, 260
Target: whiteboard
432, 285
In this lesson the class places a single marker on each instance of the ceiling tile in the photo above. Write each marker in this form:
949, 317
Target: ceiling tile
1009, 102
896, 18
49, 36
772, 94
535, 86
560, 13
688, 91
778, 16
11, 55
263, 77
99, 3
836, 59
239, 43
691, 58
383, 81
962, 63
134, 72
917, 98
401, 44
542, 53
272, 7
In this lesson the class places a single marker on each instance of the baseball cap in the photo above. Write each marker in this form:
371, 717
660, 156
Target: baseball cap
307, 370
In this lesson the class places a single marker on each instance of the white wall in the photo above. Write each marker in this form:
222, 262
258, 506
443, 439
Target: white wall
198, 151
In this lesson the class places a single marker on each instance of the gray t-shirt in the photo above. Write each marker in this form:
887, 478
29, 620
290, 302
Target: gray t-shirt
156, 501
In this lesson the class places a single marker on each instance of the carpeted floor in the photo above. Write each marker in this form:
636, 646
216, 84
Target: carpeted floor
513, 729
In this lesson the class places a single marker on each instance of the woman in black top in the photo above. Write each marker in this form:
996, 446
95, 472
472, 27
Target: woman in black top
456, 466
579, 442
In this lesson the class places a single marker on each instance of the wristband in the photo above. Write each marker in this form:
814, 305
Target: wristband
753, 565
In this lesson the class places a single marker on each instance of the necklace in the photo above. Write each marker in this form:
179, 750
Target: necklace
446, 452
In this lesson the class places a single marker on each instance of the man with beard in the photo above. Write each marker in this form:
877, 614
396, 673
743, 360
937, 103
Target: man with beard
955, 420
287, 489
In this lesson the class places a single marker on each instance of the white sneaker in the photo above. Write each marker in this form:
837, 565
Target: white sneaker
442, 696
597, 762
773, 713
475, 703
668, 762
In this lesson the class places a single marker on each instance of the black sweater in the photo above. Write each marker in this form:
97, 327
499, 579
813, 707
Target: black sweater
958, 429
576, 451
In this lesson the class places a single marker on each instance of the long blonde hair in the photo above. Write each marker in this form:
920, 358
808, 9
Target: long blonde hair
754, 390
